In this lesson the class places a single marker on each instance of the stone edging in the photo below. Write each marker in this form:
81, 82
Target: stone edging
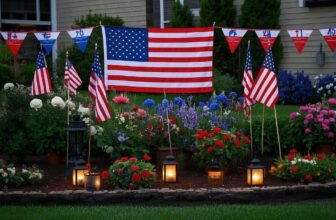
165, 196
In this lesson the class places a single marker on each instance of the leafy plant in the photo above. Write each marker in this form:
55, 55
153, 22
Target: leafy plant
130, 173
182, 16
6, 74
306, 168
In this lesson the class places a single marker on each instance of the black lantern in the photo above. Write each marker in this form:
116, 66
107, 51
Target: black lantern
78, 173
169, 167
215, 175
255, 173
76, 130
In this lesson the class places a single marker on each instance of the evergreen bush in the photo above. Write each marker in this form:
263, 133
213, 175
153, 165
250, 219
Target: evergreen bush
182, 16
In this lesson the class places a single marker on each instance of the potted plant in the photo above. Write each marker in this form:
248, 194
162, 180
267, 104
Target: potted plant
131, 173
315, 126
223, 147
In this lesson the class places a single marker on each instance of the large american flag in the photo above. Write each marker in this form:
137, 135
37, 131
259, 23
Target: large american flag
265, 88
98, 92
71, 78
174, 60
248, 80
41, 82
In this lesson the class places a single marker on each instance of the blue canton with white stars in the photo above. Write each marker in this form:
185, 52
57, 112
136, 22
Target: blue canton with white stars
248, 60
40, 61
69, 64
129, 44
269, 62
96, 67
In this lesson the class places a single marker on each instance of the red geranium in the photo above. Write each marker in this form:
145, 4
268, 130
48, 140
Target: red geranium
135, 107
105, 174
309, 177
136, 177
291, 157
219, 143
292, 151
160, 127
210, 149
147, 157
308, 157
319, 156
211, 135
247, 140
150, 127
227, 137
294, 169
238, 134
216, 130
134, 168
133, 159
124, 159
145, 174
236, 142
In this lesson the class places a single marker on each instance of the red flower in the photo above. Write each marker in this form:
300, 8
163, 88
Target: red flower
136, 177
124, 159
145, 174
150, 127
236, 142
291, 157
147, 157
135, 108
219, 143
308, 157
105, 174
309, 177
88, 166
133, 159
319, 156
238, 134
160, 128
217, 130
211, 135
292, 151
134, 168
294, 169
210, 149
120, 170
172, 120
227, 137
247, 140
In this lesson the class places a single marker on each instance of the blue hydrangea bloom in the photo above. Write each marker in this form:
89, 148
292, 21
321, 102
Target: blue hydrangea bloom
148, 103
178, 101
241, 99
233, 94
165, 103
214, 106
222, 99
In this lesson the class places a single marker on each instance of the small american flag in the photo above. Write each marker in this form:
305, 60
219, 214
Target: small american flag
174, 60
71, 78
248, 80
98, 92
41, 82
265, 88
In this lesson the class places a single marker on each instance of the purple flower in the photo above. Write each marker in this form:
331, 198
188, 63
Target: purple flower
305, 122
309, 116
325, 127
293, 115
332, 101
304, 108
307, 130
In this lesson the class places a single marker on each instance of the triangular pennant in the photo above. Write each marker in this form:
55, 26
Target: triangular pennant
14, 40
329, 35
233, 36
265, 35
81, 37
47, 39
300, 38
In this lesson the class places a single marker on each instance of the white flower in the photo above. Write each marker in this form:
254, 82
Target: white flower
72, 106
39, 176
122, 119
24, 171
83, 111
36, 104
109, 149
293, 162
86, 120
100, 130
4, 174
57, 102
93, 130
1, 170
8, 86
206, 108
20, 86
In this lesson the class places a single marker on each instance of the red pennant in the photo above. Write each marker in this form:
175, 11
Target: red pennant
300, 38
233, 36
266, 36
14, 40
329, 35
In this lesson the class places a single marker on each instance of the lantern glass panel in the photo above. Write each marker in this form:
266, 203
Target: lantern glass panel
92, 181
169, 172
215, 177
255, 176
78, 176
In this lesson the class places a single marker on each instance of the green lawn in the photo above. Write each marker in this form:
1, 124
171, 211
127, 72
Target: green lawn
306, 211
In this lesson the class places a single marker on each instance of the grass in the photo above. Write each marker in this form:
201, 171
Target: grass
306, 211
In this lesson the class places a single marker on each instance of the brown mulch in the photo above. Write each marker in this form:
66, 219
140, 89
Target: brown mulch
57, 178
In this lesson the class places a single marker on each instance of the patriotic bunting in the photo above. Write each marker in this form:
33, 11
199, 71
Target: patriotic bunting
81, 37
14, 40
329, 35
47, 40
299, 37
266, 36
233, 36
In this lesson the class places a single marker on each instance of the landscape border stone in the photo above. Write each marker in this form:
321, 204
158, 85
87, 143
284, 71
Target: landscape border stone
166, 196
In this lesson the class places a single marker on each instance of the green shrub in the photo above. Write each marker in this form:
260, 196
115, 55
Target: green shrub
225, 83
6, 74
25, 74
182, 16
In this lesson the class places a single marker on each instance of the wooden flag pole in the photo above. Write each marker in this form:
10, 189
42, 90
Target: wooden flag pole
250, 109
68, 116
262, 130
277, 129
168, 125
89, 147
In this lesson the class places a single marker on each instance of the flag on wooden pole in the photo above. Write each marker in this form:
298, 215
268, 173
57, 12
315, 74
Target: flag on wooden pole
41, 82
71, 78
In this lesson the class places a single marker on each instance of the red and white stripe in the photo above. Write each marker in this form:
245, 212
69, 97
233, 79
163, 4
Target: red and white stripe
41, 83
265, 89
71, 79
103, 112
180, 61
248, 84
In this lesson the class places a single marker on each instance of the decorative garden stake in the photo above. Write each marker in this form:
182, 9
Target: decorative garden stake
215, 175
169, 166
92, 181
78, 173
255, 173
76, 130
